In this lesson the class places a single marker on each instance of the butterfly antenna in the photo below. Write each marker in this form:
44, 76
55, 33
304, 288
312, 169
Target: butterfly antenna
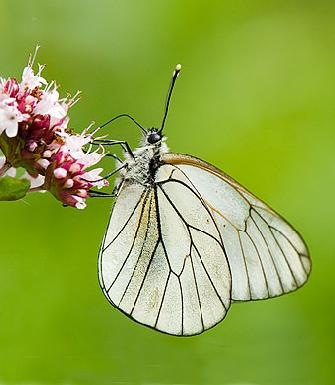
173, 80
124, 116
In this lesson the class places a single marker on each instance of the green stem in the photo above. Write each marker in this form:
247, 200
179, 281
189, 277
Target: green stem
34, 189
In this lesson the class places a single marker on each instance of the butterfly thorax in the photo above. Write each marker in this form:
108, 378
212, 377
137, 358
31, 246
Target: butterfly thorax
147, 158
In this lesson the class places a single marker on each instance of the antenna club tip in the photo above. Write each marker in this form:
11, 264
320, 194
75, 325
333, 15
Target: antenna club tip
178, 67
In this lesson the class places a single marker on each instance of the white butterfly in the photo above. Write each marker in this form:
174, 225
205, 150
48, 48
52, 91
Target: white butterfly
184, 240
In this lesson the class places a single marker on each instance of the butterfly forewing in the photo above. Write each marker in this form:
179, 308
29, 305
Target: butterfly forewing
267, 257
164, 264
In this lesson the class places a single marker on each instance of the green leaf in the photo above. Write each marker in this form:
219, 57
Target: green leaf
12, 189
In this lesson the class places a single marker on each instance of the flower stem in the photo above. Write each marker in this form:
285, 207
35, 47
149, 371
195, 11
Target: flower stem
4, 168
34, 189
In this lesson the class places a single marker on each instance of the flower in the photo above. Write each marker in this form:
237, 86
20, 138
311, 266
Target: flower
67, 177
10, 117
49, 104
31, 81
8, 88
34, 134
74, 144
33, 120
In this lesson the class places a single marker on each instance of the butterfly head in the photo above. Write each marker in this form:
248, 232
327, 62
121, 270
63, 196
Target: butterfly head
153, 136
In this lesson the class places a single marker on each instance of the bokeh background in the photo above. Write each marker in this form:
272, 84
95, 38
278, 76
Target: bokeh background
256, 98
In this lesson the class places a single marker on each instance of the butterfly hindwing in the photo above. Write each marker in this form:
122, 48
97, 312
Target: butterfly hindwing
267, 257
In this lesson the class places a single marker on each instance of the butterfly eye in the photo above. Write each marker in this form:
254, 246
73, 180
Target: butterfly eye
154, 137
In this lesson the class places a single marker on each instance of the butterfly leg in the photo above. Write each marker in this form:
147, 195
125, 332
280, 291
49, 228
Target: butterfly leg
100, 194
108, 175
122, 143
115, 157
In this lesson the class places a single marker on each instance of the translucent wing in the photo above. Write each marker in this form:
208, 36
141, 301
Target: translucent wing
162, 260
267, 257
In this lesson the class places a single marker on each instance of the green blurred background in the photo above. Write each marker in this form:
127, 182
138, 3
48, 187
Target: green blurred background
256, 98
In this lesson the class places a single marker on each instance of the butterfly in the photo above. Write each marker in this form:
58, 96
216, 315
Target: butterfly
185, 240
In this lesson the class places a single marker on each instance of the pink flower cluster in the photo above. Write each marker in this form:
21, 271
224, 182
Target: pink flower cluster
34, 134
67, 177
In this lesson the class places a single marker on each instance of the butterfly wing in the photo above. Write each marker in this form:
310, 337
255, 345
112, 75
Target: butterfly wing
162, 261
267, 257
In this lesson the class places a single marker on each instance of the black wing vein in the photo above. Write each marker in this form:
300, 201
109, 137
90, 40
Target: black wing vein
132, 246
124, 226
193, 244
137, 262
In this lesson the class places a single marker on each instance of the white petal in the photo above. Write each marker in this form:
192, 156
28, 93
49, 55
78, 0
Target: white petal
93, 174
90, 159
75, 143
11, 172
80, 202
11, 128
95, 178
2, 160
34, 182
10, 116
30, 80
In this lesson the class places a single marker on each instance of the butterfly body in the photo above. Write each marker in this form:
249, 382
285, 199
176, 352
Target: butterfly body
147, 157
